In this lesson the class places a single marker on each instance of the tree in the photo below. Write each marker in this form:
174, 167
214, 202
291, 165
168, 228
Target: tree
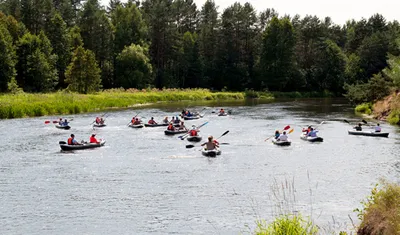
277, 54
133, 68
83, 73
7, 58
60, 41
190, 64
36, 70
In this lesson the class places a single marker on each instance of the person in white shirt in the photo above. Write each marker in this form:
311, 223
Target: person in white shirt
283, 137
378, 128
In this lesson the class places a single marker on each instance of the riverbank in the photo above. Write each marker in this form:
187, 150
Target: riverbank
58, 103
387, 109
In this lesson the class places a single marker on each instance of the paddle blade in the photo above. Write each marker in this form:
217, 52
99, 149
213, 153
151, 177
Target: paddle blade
346, 121
62, 142
190, 146
291, 131
226, 132
364, 121
46, 122
55, 121
286, 128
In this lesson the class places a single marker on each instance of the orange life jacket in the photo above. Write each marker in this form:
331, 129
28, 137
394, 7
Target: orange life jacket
170, 127
70, 141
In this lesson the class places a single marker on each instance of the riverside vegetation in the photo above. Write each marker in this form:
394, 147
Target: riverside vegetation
84, 47
379, 215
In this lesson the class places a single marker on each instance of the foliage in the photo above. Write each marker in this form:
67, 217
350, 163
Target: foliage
7, 58
25, 104
376, 88
133, 68
287, 224
394, 117
83, 73
364, 108
380, 212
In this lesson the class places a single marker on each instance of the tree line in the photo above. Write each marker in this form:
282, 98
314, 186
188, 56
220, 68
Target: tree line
47, 45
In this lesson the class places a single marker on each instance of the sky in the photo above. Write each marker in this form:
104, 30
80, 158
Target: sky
339, 10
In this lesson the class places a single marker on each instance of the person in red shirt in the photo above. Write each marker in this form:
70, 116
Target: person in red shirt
152, 122
93, 139
194, 131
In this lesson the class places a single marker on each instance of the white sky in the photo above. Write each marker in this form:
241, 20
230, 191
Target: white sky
339, 10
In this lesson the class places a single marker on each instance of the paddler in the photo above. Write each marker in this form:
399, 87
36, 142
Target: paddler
152, 122
194, 131
283, 137
170, 127
182, 126
165, 120
378, 128
277, 134
93, 139
359, 127
72, 140
211, 144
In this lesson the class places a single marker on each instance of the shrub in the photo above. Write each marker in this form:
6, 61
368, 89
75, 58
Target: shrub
364, 108
287, 224
380, 214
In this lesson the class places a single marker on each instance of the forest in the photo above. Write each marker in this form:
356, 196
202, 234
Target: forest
82, 46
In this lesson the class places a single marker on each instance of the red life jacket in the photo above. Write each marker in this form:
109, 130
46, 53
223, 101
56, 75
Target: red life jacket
170, 127
193, 133
70, 141
93, 139
151, 122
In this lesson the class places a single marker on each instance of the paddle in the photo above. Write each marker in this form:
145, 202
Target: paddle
284, 129
62, 142
182, 137
47, 121
192, 146
132, 118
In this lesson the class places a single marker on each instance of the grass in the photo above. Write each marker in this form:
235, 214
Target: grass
364, 108
30, 105
287, 224
381, 211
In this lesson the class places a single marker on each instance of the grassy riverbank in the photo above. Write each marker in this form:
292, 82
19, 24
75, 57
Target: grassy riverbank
33, 105
30, 105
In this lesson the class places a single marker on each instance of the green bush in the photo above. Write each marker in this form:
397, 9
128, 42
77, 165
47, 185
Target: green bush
380, 214
364, 108
394, 117
285, 225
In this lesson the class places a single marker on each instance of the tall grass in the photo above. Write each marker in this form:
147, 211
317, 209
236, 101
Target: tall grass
380, 214
29, 105
287, 224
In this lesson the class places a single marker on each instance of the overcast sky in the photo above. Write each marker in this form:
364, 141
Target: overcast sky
339, 10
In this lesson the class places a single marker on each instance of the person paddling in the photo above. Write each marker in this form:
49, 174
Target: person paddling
194, 131
72, 140
171, 127
165, 120
283, 137
312, 133
359, 127
182, 126
136, 121
98, 120
277, 134
378, 128
93, 139
152, 122
177, 121
222, 111
211, 144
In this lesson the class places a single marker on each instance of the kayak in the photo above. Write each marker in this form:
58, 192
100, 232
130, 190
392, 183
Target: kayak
65, 147
369, 133
136, 126
211, 153
282, 143
311, 139
223, 114
63, 127
168, 132
192, 117
99, 125
194, 138
158, 125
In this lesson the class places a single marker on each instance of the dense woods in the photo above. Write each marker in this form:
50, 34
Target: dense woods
47, 45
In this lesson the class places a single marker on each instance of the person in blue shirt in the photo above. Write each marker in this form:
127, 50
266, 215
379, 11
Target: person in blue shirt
277, 134
312, 133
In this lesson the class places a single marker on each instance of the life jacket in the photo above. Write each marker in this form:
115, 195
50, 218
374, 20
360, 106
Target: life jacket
170, 127
69, 141
151, 122
193, 133
97, 120
93, 139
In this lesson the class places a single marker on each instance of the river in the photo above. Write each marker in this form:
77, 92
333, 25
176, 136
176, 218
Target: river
144, 182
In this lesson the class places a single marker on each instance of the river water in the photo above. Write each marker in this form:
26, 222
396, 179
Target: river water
144, 182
